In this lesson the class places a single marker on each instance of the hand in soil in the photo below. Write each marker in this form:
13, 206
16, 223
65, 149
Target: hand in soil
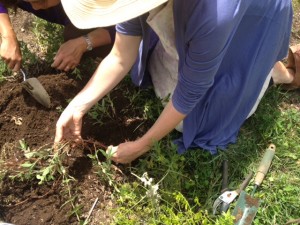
127, 151
69, 125
69, 54
10, 52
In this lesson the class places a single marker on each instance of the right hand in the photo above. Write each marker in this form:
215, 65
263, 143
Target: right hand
10, 52
68, 126
69, 54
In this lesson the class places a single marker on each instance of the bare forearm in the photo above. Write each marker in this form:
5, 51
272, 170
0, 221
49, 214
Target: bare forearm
6, 28
166, 122
110, 72
105, 78
9, 50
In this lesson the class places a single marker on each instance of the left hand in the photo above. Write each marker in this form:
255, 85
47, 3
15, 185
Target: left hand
128, 151
69, 54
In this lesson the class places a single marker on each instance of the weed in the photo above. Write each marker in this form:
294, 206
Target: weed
152, 189
177, 210
143, 100
87, 65
46, 166
67, 182
104, 169
103, 109
40, 164
76, 72
4, 72
48, 42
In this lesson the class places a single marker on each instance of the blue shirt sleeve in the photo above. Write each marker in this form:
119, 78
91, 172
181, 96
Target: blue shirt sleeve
205, 38
132, 27
3, 8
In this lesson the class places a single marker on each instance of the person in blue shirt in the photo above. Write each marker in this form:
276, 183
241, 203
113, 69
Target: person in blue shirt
215, 58
95, 42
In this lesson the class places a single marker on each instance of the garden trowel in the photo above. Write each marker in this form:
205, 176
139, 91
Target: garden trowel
247, 205
36, 89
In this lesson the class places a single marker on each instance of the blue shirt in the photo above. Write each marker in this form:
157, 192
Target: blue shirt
226, 50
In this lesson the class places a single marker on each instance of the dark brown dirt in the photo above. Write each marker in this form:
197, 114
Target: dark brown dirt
23, 118
37, 123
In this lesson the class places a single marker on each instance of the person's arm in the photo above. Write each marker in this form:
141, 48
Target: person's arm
96, 41
10, 51
109, 73
167, 121
69, 54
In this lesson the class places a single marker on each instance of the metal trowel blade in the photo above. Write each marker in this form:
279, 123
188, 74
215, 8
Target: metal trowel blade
37, 91
245, 209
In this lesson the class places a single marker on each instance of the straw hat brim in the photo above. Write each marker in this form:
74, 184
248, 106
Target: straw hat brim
86, 14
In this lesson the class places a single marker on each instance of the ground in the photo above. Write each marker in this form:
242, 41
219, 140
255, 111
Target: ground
22, 118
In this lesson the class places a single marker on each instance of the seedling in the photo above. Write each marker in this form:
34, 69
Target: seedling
104, 169
104, 108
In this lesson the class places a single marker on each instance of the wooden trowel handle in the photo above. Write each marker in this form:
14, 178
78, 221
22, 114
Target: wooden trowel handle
265, 164
245, 183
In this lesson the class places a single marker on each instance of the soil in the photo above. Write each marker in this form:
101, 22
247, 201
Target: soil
23, 118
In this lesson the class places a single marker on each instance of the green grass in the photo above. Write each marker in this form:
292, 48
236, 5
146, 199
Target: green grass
195, 176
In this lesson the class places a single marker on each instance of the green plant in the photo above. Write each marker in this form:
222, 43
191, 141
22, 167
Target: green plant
104, 169
102, 109
77, 208
46, 165
135, 209
4, 72
49, 37
88, 65
41, 164
76, 72
151, 189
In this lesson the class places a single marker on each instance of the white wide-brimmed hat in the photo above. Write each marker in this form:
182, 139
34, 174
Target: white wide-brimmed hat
86, 14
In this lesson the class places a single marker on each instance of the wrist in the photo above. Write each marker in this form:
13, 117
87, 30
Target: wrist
78, 107
8, 35
88, 42
147, 143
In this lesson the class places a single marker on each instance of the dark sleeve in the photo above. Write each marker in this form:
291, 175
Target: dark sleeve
3, 8
112, 32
